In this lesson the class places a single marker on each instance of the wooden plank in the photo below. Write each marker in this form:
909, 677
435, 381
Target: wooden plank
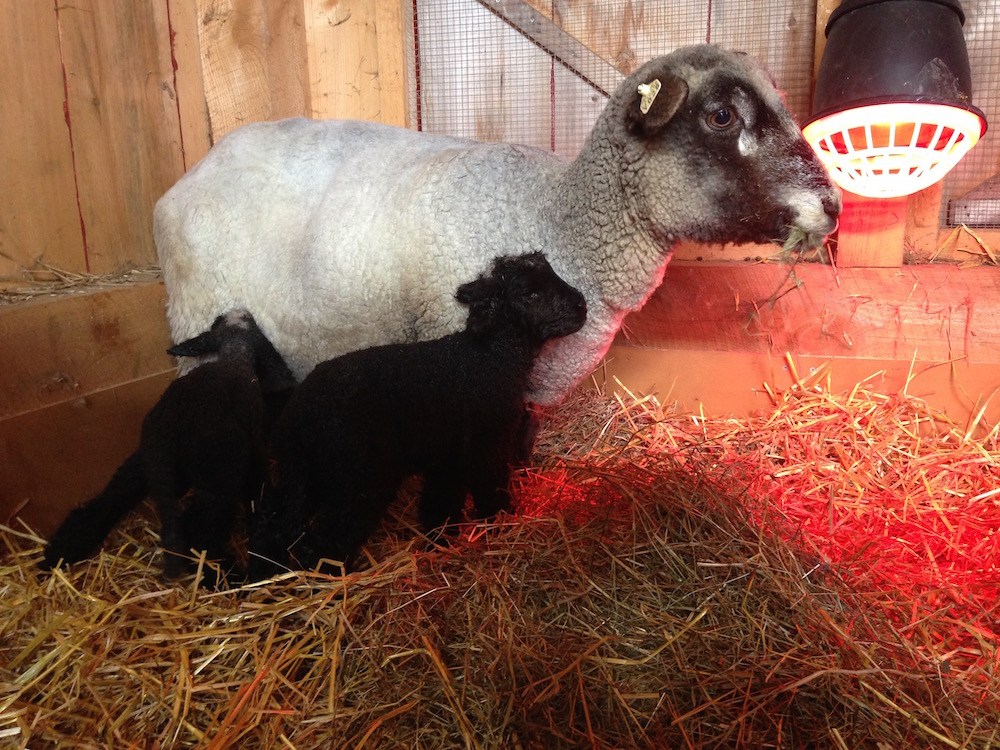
55, 458
253, 60
39, 218
504, 96
394, 27
723, 383
123, 118
931, 313
572, 53
194, 135
343, 52
781, 35
56, 350
627, 34
871, 231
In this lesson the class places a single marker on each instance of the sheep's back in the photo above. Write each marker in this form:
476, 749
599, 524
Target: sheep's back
338, 235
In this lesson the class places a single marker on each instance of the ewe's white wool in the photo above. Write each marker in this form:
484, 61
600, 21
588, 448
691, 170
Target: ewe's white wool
342, 235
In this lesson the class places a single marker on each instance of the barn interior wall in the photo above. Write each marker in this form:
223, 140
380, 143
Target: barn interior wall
104, 108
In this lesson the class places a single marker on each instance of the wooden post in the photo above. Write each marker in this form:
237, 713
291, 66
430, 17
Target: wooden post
872, 231
357, 59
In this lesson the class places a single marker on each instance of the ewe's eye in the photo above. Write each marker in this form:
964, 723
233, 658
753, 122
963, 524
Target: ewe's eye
721, 119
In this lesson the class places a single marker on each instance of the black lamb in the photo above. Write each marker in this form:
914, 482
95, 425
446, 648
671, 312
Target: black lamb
202, 452
452, 409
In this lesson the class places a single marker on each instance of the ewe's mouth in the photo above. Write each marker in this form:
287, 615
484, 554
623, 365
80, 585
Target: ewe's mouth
800, 240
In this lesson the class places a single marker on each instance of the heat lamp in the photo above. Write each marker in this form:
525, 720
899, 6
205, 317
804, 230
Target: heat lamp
892, 106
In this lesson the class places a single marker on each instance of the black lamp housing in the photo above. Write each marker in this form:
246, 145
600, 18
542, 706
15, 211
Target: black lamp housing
892, 106
880, 51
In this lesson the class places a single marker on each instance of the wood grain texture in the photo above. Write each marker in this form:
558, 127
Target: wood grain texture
254, 61
39, 218
721, 383
59, 349
932, 313
123, 118
871, 232
357, 59
55, 458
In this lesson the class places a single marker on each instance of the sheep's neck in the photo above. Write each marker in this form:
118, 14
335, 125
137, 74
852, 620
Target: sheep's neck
600, 225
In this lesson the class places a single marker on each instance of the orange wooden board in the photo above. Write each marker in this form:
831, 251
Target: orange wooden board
720, 383
55, 458
934, 313
58, 349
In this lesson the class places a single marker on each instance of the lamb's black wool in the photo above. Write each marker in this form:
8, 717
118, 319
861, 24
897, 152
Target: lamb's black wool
451, 409
202, 451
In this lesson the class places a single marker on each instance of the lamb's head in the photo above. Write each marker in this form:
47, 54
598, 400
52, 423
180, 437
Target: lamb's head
523, 291
236, 337
716, 156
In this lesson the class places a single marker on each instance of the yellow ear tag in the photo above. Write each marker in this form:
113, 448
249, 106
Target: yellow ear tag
649, 92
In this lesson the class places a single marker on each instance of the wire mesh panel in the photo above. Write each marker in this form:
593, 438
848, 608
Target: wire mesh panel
982, 37
539, 73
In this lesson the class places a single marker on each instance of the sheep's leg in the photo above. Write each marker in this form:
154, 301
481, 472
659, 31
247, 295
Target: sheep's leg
345, 521
208, 525
490, 487
442, 498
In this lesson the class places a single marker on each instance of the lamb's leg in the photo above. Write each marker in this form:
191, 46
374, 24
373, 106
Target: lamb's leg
442, 498
175, 551
490, 487
346, 519
86, 527
208, 524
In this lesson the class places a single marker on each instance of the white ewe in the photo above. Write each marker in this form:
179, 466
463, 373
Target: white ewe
342, 235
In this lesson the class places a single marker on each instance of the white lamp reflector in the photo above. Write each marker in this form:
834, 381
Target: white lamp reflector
891, 150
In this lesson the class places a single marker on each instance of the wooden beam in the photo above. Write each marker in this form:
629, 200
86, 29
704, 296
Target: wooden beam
123, 118
54, 458
713, 333
59, 349
934, 313
357, 59
253, 60
40, 219
572, 53
871, 232
80, 371
721, 383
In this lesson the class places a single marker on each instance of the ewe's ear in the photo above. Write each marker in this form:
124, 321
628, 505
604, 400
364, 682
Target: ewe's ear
672, 94
203, 343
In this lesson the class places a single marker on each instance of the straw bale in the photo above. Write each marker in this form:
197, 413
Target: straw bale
820, 576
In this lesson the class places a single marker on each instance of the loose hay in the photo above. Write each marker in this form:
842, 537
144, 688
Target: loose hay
821, 576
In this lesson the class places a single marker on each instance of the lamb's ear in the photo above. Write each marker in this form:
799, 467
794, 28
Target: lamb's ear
663, 95
481, 296
203, 343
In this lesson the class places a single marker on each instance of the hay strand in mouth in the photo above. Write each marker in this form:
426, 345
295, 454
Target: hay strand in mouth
821, 575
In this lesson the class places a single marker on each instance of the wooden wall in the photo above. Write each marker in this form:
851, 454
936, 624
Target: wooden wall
105, 104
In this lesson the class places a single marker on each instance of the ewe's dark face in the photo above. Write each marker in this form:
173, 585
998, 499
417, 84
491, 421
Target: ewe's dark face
722, 132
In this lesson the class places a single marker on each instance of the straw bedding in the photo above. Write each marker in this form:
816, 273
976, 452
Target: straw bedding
824, 576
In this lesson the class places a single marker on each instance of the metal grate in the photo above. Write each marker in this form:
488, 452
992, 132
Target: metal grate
982, 37
507, 70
